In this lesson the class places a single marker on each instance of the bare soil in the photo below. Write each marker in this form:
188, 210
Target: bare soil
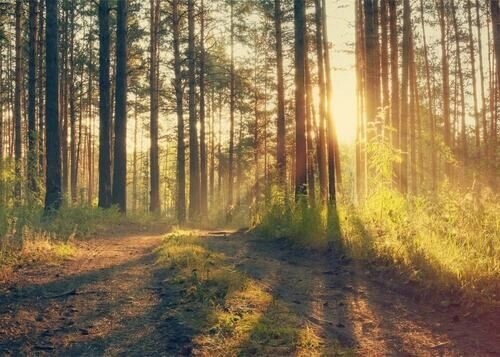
111, 299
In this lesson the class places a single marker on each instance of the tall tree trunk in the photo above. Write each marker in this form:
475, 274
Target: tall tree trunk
281, 123
404, 95
194, 159
482, 80
232, 95
463, 134
474, 79
17, 102
72, 110
495, 23
445, 82
104, 107
41, 107
181, 164
395, 99
203, 146
119, 195
300, 122
53, 189
430, 96
212, 148
311, 184
154, 200
334, 171
322, 165
32, 128
384, 56
358, 13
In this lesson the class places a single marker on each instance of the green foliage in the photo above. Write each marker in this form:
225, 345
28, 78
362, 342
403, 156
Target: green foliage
450, 242
306, 225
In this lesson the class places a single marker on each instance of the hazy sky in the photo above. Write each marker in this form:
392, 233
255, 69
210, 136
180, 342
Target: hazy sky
341, 33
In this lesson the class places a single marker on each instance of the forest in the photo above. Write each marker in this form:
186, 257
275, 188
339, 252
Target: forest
249, 177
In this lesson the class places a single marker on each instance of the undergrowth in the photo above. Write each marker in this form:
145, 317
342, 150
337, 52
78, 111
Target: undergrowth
450, 242
25, 233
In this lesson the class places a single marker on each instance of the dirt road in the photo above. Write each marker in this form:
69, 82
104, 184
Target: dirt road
112, 299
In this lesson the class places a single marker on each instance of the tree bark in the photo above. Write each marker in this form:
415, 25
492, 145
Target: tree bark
104, 107
53, 188
300, 124
17, 102
154, 199
281, 123
32, 128
119, 192
203, 146
194, 159
181, 164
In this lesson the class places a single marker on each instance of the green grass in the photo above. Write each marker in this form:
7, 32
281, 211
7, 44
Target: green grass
231, 313
448, 243
25, 230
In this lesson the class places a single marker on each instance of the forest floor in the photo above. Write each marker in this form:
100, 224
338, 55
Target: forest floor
114, 297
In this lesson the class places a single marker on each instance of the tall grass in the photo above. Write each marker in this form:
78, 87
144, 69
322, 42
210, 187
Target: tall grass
450, 242
22, 228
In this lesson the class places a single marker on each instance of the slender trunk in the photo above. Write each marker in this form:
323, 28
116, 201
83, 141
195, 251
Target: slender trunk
17, 102
474, 78
72, 111
395, 98
41, 106
53, 191
322, 165
445, 82
432, 123
463, 134
32, 128
181, 161
119, 193
300, 124
104, 107
404, 96
334, 171
154, 200
231, 115
281, 128
203, 147
194, 158
482, 81
311, 185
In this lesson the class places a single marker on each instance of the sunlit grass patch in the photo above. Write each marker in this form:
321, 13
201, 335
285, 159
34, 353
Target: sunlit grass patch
232, 313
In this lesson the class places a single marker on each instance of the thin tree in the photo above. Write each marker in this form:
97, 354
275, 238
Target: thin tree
181, 164
445, 82
194, 159
119, 193
154, 204
32, 127
280, 122
232, 95
53, 183
334, 174
395, 100
203, 146
322, 166
17, 100
104, 107
300, 122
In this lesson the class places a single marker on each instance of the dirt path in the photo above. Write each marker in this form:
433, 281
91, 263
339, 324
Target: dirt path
112, 299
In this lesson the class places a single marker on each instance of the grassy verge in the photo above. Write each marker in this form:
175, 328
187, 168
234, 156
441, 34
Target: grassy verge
231, 313
449, 244
25, 235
